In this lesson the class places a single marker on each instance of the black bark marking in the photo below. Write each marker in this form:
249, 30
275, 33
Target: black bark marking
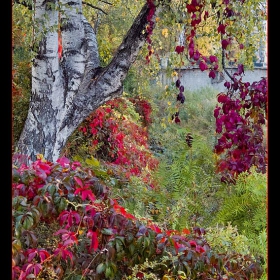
49, 71
68, 26
71, 3
70, 52
97, 72
42, 49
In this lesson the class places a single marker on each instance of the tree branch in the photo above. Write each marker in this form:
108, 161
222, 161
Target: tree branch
94, 7
106, 2
107, 83
224, 66
223, 51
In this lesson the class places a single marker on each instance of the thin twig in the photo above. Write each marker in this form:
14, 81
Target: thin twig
106, 2
224, 67
94, 7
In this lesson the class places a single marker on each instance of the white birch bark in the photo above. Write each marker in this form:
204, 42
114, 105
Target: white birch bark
66, 91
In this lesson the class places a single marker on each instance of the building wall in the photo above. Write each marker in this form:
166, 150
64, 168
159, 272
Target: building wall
193, 78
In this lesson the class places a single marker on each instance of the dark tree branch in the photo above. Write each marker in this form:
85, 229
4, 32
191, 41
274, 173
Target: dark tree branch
94, 7
223, 51
224, 66
106, 2
107, 83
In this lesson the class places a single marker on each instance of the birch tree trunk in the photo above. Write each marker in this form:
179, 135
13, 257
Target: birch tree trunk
65, 91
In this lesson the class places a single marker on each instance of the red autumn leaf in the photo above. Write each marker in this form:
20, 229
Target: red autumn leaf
41, 169
75, 164
43, 254
213, 58
32, 253
140, 275
86, 193
162, 240
177, 120
63, 161
176, 245
33, 268
212, 74
79, 181
240, 69
179, 49
199, 249
68, 217
172, 231
94, 240
31, 256
203, 66
119, 209
63, 252
186, 231
196, 55
222, 29
192, 243
91, 209
68, 237
225, 43
155, 228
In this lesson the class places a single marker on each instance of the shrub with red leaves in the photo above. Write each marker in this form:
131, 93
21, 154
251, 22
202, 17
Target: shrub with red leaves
89, 234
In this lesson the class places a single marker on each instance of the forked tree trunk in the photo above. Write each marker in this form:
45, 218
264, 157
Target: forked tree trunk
65, 91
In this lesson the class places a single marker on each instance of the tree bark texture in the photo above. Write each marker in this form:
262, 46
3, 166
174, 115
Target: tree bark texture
66, 90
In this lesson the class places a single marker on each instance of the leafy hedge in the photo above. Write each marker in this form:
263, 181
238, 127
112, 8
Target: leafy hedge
67, 225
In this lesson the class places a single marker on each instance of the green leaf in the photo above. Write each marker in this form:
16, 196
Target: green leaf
18, 218
52, 189
114, 267
189, 256
28, 223
131, 248
62, 204
187, 267
118, 245
100, 268
93, 161
108, 272
107, 231
121, 238
146, 242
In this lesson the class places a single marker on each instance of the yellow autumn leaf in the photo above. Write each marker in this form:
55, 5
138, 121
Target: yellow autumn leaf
164, 32
166, 277
92, 161
41, 157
